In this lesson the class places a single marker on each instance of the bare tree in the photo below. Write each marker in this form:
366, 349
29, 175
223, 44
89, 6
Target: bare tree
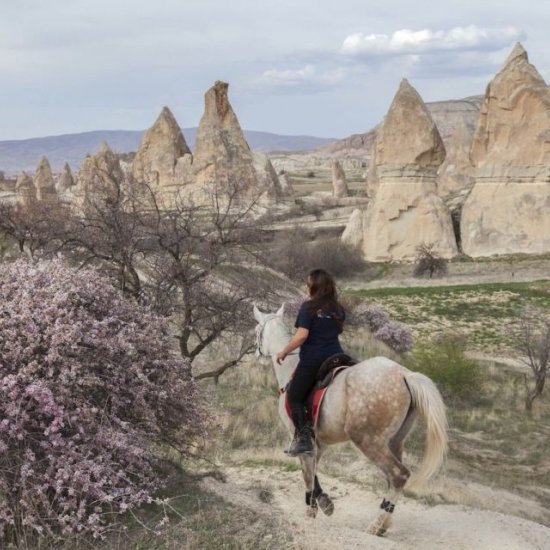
31, 227
428, 262
534, 343
196, 263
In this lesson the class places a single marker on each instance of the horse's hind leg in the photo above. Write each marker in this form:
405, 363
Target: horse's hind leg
315, 496
396, 474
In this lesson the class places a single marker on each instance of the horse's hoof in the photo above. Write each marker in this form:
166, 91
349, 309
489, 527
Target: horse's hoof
311, 512
326, 505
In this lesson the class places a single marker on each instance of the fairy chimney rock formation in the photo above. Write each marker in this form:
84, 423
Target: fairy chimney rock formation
508, 209
405, 211
268, 180
100, 173
44, 182
163, 159
65, 180
222, 155
339, 186
25, 191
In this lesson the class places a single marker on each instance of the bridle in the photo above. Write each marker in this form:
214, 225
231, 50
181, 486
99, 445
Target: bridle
260, 336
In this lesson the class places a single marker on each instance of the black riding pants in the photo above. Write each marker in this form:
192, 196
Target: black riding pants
300, 385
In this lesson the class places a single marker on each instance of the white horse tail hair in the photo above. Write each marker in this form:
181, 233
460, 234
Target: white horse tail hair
428, 403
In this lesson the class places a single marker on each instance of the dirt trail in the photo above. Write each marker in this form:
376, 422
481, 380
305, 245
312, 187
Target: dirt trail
274, 492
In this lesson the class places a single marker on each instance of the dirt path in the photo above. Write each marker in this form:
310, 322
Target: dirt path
272, 491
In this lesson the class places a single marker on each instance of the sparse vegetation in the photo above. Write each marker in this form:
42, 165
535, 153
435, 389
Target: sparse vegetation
428, 263
534, 344
443, 360
295, 254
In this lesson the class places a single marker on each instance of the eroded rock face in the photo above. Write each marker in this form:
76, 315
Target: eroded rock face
508, 209
457, 172
163, 159
100, 173
25, 191
44, 182
222, 155
268, 180
405, 210
65, 180
339, 186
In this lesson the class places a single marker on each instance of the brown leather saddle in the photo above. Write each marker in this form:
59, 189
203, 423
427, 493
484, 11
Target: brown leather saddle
331, 367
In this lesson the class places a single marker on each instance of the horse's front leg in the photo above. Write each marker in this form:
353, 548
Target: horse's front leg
315, 496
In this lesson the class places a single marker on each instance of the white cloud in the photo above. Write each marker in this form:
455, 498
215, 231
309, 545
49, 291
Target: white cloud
406, 42
307, 76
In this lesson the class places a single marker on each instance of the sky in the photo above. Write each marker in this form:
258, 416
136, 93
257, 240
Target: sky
316, 67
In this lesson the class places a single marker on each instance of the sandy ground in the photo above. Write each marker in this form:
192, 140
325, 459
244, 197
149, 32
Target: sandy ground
278, 493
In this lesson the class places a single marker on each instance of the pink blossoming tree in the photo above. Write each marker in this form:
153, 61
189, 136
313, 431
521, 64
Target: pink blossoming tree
90, 388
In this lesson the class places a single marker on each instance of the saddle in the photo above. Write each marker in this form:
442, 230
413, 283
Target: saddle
330, 368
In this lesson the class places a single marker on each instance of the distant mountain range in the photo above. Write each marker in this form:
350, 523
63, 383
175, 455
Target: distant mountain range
24, 154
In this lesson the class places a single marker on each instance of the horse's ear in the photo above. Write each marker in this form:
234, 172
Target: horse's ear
281, 311
258, 315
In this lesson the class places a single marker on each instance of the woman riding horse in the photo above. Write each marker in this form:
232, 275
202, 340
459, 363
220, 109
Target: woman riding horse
319, 322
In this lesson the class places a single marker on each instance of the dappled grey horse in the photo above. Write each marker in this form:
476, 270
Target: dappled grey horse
373, 404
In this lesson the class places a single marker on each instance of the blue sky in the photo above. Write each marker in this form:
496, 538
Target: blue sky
314, 67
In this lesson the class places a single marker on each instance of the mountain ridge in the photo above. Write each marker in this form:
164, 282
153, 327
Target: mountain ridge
24, 154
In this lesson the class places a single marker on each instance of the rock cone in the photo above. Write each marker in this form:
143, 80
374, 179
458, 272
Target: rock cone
65, 180
339, 186
99, 174
222, 155
508, 209
44, 182
25, 191
163, 159
405, 211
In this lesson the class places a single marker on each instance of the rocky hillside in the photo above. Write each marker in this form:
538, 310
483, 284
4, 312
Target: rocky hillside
17, 155
354, 151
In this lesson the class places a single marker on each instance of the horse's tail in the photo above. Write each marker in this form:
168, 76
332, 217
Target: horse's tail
428, 403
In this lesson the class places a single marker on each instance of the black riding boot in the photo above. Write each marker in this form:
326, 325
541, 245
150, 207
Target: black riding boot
303, 436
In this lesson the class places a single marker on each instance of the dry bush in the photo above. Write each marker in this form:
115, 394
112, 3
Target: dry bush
428, 263
295, 255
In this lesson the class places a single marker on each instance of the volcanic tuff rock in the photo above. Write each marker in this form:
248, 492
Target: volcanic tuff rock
405, 211
267, 177
100, 171
65, 180
163, 158
508, 209
222, 155
25, 191
339, 186
44, 182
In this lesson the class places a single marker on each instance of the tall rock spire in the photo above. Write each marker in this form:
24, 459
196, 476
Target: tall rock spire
162, 148
508, 209
44, 182
222, 155
406, 211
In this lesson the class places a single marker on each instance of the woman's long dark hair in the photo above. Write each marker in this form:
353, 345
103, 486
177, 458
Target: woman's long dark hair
324, 296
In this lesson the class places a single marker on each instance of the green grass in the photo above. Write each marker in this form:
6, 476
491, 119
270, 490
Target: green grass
486, 314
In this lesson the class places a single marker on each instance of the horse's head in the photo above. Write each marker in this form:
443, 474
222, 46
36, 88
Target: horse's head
269, 330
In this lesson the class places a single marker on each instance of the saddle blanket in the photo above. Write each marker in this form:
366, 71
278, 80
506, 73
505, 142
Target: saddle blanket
314, 400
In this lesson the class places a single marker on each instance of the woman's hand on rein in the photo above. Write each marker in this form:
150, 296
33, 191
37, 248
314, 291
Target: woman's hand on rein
280, 357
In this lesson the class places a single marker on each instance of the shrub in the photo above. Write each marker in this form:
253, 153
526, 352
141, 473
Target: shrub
428, 263
294, 255
89, 386
395, 335
445, 362
310, 174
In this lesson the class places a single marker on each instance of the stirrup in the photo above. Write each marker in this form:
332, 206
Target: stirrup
302, 443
